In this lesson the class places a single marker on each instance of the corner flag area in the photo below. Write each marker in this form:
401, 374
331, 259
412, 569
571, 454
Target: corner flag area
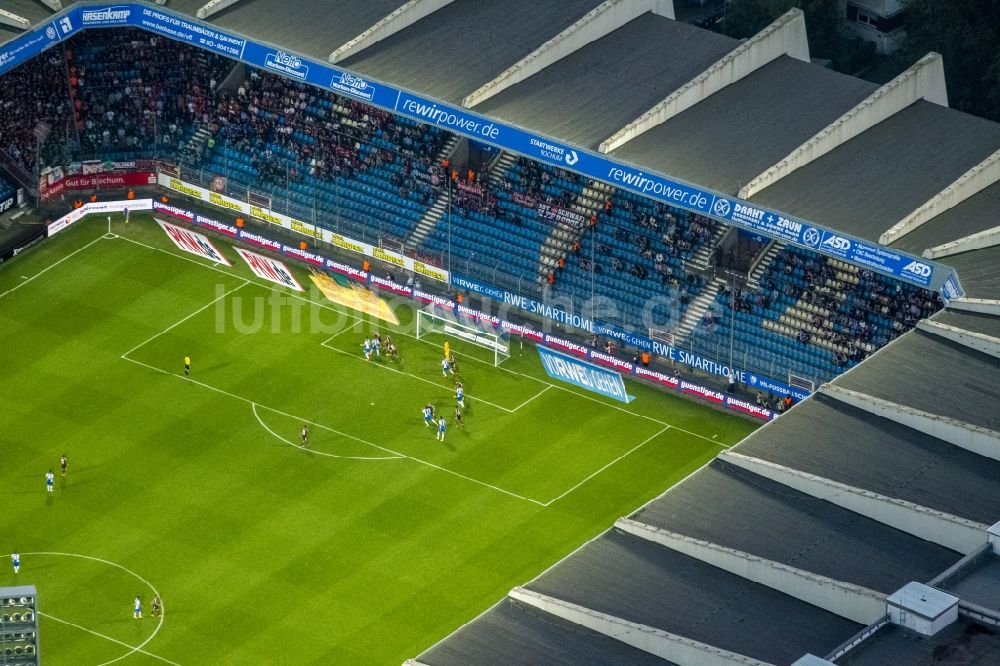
199, 489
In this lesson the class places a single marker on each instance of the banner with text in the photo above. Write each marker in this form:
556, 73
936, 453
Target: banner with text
304, 228
585, 375
193, 242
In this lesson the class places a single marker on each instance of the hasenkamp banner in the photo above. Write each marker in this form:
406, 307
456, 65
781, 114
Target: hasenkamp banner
586, 375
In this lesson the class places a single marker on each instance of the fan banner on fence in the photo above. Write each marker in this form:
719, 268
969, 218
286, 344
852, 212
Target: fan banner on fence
193, 242
269, 269
572, 370
343, 291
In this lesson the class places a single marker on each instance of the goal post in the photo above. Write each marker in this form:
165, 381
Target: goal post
436, 320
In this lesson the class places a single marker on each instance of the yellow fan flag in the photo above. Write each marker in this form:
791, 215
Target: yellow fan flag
447, 350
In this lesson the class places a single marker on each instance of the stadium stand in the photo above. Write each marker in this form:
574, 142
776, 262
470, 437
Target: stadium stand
319, 150
792, 541
36, 108
136, 94
823, 314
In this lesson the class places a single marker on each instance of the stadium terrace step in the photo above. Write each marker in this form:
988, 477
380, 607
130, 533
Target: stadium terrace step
498, 170
699, 306
703, 257
764, 263
437, 210
561, 239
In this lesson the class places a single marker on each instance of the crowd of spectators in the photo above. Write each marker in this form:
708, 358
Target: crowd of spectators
292, 130
850, 317
132, 90
35, 111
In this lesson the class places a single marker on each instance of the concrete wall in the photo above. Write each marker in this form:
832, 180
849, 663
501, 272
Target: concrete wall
924, 80
13, 20
973, 181
964, 435
680, 650
993, 533
950, 531
977, 241
973, 340
402, 17
854, 602
785, 36
603, 19
981, 305
214, 7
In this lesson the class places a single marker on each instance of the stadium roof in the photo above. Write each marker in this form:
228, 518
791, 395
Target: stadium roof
306, 26
723, 504
979, 271
513, 633
869, 183
465, 44
976, 322
639, 581
964, 642
920, 359
732, 136
845, 444
977, 213
590, 94
981, 585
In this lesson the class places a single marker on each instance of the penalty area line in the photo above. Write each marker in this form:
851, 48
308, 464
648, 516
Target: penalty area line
470, 479
609, 464
108, 638
193, 314
253, 407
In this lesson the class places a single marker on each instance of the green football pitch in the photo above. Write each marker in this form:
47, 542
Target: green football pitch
367, 547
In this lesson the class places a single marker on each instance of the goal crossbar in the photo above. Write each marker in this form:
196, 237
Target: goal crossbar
476, 332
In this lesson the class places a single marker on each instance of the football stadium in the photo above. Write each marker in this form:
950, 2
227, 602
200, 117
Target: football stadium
447, 332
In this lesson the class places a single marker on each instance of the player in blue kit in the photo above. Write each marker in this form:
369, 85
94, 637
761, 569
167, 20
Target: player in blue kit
428, 416
367, 345
137, 609
15, 559
50, 481
377, 345
441, 428
446, 368
460, 395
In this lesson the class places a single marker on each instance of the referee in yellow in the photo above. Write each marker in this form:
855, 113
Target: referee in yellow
187, 366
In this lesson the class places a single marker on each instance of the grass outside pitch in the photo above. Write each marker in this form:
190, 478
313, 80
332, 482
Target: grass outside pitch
367, 547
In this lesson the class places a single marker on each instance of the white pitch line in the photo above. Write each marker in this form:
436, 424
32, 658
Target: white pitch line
532, 398
343, 434
417, 377
159, 625
109, 638
49, 267
326, 306
319, 453
624, 455
193, 314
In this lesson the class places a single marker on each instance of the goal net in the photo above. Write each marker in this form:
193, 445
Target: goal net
438, 321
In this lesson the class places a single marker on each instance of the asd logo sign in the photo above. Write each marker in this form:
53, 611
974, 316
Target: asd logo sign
837, 245
917, 268
583, 374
